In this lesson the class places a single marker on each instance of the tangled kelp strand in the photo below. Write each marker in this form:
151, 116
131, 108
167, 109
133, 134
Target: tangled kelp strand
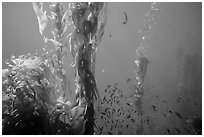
51, 77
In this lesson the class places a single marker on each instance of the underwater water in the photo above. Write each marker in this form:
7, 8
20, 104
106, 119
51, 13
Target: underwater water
147, 70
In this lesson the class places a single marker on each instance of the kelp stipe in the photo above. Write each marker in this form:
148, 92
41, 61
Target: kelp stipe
141, 61
89, 20
34, 99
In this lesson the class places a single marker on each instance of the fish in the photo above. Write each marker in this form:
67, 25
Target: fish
154, 107
128, 80
115, 84
178, 130
168, 131
170, 111
128, 104
108, 101
111, 127
106, 109
164, 114
128, 116
132, 120
178, 115
110, 35
126, 18
109, 133
194, 103
147, 121
105, 124
104, 99
177, 100
111, 95
100, 128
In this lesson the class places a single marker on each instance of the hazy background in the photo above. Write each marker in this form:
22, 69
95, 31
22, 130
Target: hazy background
175, 51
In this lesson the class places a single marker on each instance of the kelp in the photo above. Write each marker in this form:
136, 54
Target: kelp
35, 87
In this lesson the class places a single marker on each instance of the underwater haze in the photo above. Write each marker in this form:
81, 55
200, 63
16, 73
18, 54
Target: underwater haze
167, 98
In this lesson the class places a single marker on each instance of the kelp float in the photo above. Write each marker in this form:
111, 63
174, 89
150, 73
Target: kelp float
35, 88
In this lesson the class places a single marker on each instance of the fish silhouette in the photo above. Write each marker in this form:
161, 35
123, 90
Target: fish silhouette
170, 111
164, 114
178, 130
168, 131
128, 80
178, 100
154, 107
126, 18
178, 115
